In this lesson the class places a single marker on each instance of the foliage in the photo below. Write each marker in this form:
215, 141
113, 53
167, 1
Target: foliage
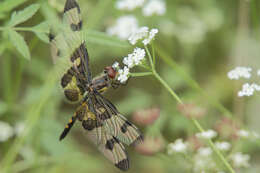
185, 77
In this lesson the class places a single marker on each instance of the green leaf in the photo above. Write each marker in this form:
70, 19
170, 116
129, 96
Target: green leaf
8, 5
22, 16
41, 31
19, 43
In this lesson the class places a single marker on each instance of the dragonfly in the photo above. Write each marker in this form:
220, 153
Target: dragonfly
105, 126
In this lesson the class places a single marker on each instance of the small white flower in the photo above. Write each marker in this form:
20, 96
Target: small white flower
256, 87
19, 128
203, 160
6, 131
115, 65
129, 4
255, 135
239, 72
258, 72
124, 27
248, 90
209, 134
134, 58
178, 146
123, 74
157, 7
224, 146
138, 34
243, 133
204, 151
240, 160
152, 34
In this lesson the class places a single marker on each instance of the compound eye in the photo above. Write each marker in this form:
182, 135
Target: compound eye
111, 72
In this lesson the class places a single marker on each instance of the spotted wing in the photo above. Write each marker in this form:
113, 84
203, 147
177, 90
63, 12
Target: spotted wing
110, 146
117, 125
69, 43
72, 19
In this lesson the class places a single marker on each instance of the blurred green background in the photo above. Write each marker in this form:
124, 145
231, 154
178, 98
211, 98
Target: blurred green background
197, 44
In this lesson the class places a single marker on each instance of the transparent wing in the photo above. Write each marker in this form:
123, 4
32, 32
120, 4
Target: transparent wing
117, 125
110, 146
69, 43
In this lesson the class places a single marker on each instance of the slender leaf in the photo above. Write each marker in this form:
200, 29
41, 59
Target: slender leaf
41, 31
8, 5
22, 16
19, 43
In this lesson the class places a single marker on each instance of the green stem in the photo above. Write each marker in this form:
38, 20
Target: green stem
17, 28
158, 77
192, 83
195, 122
214, 148
141, 74
150, 58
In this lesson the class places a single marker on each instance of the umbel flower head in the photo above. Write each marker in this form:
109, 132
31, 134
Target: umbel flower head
131, 60
143, 33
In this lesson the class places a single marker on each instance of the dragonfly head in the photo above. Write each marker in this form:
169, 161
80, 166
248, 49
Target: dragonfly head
110, 71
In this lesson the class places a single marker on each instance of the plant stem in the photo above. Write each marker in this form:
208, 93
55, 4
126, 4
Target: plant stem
16, 28
157, 76
141, 74
195, 122
214, 148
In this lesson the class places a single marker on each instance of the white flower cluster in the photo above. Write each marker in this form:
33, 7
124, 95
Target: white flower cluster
240, 160
247, 134
178, 147
124, 27
157, 7
123, 74
205, 151
224, 146
239, 72
129, 4
152, 7
209, 134
245, 72
7, 131
248, 90
203, 160
133, 59
143, 33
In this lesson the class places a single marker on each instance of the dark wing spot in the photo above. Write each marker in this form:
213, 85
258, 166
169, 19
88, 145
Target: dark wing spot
123, 165
138, 140
66, 78
128, 123
76, 27
88, 124
125, 125
116, 140
105, 116
124, 128
110, 144
71, 94
51, 37
70, 4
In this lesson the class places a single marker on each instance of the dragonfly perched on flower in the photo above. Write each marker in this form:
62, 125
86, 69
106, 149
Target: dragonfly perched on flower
105, 125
